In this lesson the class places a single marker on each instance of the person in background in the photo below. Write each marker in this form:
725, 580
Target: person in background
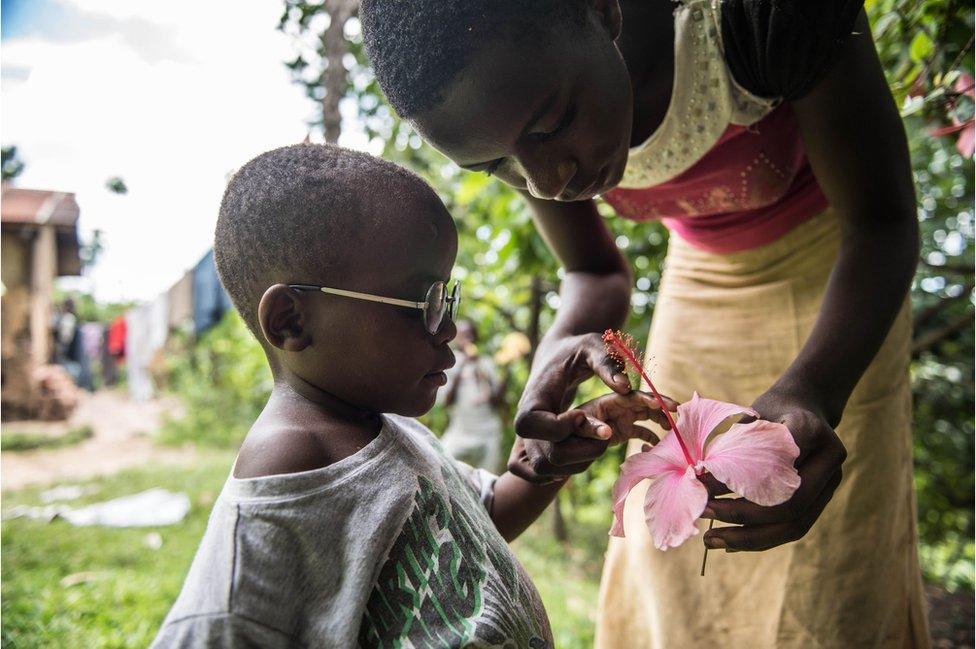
475, 397
68, 351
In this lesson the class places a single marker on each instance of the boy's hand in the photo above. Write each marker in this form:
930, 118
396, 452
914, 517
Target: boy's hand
613, 417
606, 420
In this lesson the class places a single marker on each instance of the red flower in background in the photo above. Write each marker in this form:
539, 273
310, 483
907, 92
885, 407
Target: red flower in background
966, 142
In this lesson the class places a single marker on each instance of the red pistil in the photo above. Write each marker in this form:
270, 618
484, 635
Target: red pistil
621, 348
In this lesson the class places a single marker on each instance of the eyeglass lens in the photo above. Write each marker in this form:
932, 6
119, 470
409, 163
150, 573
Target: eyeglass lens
434, 314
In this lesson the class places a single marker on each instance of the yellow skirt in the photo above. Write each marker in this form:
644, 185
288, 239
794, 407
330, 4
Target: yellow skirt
728, 326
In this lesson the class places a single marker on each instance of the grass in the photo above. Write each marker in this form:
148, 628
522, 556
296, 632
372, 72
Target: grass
94, 587
126, 588
567, 576
28, 441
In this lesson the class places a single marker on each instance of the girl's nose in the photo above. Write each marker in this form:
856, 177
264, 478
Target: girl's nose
547, 177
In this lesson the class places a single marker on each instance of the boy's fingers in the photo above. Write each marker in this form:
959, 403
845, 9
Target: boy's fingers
644, 433
529, 460
592, 428
657, 415
649, 398
576, 450
540, 424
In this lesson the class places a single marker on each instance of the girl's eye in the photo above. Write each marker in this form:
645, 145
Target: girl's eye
566, 120
493, 167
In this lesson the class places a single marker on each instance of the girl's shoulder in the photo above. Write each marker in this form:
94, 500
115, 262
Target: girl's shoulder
781, 49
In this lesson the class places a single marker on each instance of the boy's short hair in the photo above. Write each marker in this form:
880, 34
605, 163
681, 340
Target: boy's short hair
298, 214
417, 47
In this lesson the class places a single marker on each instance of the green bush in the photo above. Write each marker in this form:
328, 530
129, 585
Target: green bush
223, 380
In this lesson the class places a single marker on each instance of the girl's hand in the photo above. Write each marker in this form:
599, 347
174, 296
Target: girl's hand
822, 455
553, 446
619, 415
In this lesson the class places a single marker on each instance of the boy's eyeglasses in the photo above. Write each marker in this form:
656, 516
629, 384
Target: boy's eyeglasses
439, 301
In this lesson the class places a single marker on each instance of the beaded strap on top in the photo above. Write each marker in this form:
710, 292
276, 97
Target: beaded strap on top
705, 99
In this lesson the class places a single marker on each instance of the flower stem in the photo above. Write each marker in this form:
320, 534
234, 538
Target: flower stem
705, 556
628, 354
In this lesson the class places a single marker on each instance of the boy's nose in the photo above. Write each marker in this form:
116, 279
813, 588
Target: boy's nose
447, 332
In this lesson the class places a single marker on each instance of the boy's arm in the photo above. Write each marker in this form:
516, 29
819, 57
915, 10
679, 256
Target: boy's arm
517, 502
610, 419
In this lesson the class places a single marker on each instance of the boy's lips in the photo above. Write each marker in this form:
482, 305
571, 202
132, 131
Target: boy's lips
438, 376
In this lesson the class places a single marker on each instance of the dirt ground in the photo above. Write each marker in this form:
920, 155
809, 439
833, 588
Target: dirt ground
950, 619
121, 439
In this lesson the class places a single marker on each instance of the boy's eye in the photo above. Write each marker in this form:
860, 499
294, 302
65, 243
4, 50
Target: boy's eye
566, 120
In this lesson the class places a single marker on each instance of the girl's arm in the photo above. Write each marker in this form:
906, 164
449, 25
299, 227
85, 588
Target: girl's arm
595, 295
856, 145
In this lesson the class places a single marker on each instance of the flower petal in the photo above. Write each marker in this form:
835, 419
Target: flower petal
699, 417
672, 505
756, 461
635, 468
966, 144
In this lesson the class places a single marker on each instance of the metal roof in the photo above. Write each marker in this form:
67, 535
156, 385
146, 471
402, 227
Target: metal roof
38, 206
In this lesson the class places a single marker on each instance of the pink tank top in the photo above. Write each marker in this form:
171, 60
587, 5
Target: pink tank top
752, 187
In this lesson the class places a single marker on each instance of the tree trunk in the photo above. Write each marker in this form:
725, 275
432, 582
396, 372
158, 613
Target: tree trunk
558, 520
535, 312
334, 47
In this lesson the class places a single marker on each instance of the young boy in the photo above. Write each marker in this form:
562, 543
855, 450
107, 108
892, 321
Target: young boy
342, 523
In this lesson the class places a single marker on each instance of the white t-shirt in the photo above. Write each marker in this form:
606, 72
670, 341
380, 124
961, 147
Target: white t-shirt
390, 547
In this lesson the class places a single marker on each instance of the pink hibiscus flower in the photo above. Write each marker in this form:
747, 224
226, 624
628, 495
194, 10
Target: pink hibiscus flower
755, 460
966, 142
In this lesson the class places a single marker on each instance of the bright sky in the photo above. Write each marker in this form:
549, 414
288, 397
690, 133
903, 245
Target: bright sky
171, 96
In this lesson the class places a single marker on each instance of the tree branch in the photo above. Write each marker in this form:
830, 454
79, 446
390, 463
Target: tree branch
925, 314
935, 338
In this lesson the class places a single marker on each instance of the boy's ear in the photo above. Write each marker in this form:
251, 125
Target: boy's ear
608, 11
283, 319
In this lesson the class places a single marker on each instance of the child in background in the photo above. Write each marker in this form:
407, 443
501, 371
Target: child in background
475, 398
343, 523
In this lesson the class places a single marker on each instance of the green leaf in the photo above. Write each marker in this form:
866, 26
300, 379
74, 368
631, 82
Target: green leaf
921, 47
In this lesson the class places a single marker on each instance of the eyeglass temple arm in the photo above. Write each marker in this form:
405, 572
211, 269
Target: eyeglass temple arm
362, 296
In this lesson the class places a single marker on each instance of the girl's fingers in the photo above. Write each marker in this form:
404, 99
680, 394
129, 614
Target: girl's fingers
763, 537
715, 488
605, 367
812, 490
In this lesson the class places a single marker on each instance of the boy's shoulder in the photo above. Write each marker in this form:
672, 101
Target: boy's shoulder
280, 451
279, 448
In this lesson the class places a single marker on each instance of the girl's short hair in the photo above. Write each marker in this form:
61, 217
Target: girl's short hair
417, 47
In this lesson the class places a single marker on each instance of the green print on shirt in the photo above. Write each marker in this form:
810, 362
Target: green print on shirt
445, 583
